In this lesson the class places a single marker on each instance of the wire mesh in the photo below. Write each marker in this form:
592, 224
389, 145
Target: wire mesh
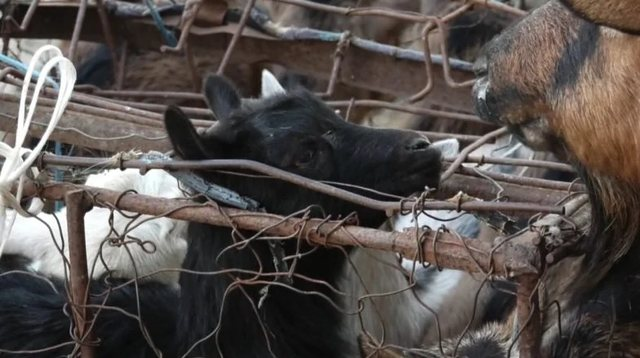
379, 66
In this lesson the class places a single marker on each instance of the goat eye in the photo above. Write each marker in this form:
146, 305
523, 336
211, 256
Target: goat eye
306, 157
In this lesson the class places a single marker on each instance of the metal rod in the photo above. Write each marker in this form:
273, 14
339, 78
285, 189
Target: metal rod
75, 37
370, 103
512, 161
26, 20
109, 39
470, 148
236, 36
77, 206
240, 164
451, 250
528, 313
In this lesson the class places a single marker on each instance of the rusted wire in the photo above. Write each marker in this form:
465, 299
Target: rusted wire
439, 247
75, 37
107, 32
26, 20
393, 14
224, 164
516, 162
188, 17
234, 40
470, 148
338, 55
410, 109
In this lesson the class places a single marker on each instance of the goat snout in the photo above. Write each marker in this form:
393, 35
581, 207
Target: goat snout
417, 144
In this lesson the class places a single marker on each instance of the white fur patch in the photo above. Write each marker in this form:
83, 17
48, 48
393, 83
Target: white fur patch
165, 239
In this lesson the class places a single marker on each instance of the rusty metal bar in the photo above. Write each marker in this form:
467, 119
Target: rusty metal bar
139, 94
470, 148
236, 36
534, 163
473, 186
109, 39
189, 14
451, 250
100, 105
487, 190
388, 69
77, 206
335, 191
342, 46
26, 20
93, 105
77, 29
528, 315
528, 181
89, 131
394, 14
410, 109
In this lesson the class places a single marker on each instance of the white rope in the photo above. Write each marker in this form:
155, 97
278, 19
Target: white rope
15, 166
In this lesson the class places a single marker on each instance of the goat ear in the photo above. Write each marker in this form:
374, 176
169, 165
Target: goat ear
448, 147
270, 85
619, 14
221, 96
186, 141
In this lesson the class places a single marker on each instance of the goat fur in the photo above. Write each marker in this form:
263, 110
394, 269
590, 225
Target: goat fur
163, 239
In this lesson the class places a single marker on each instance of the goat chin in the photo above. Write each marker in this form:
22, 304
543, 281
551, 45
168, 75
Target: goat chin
128, 248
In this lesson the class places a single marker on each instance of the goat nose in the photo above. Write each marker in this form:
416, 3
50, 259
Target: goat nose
417, 144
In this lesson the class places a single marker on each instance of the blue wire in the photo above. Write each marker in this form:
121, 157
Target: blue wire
167, 35
23, 69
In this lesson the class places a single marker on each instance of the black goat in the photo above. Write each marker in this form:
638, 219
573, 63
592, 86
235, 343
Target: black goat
230, 315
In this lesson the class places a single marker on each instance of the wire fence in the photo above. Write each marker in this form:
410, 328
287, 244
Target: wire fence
360, 76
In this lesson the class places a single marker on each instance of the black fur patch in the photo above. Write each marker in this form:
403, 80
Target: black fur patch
482, 348
33, 316
469, 32
502, 302
575, 55
97, 70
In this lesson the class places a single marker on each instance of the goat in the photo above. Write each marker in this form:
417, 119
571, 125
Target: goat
213, 314
161, 245
465, 35
579, 101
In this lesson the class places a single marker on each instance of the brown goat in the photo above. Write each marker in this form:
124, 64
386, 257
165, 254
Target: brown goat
585, 84
578, 100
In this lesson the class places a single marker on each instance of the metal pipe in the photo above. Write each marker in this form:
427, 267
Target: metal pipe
77, 206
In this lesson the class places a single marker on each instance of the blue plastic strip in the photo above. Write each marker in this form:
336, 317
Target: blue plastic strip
167, 35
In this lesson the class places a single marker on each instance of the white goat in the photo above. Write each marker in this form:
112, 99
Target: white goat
162, 240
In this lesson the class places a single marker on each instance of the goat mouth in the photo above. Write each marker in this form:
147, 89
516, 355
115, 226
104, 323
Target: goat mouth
480, 89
